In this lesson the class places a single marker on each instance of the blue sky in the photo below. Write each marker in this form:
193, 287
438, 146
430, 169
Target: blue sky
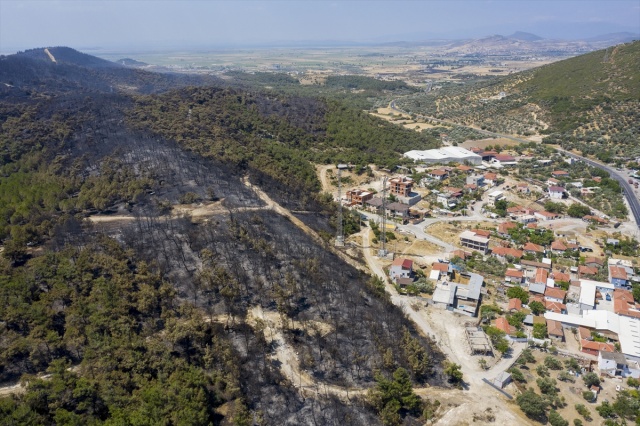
187, 23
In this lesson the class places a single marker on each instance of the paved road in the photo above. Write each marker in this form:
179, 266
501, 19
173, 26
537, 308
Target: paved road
627, 189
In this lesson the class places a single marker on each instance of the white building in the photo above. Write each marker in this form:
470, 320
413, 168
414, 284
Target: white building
444, 155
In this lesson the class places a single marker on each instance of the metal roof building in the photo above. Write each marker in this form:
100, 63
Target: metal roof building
444, 155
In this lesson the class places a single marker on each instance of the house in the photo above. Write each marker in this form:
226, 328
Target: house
531, 265
587, 270
557, 192
358, 197
374, 205
465, 169
541, 276
558, 247
538, 288
503, 228
612, 364
556, 307
439, 174
587, 192
515, 304
494, 196
490, 179
400, 186
559, 174
473, 241
446, 199
459, 292
398, 209
554, 330
618, 276
438, 269
552, 182
487, 155
532, 248
594, 348
561, 276
504, 160
503, 324
501, 253
555, 294
401, 268
477, 180
514, 276
594, 262
532, 225
544, 215
404, 282
523, 187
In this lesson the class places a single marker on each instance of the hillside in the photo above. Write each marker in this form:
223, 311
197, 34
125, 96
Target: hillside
590, 102
147, 312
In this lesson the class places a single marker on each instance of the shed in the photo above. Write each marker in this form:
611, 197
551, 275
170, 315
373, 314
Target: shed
502, 379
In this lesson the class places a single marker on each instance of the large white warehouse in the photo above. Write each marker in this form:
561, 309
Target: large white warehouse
445, 154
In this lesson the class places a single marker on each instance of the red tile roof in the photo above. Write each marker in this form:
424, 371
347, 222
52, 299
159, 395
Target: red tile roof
442, 267
541, 276
507, 251
594, 260
503, 228
554, 328
503, 324
515, 304
490, 176
514, 273
587, 270
596, 346
555, 292
561, 276
560, 173
404, 263
618, 272
533, 247
482, 232
556, 307
438, 172
558, 245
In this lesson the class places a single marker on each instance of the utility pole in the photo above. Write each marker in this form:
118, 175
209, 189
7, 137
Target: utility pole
383, 232
339, 230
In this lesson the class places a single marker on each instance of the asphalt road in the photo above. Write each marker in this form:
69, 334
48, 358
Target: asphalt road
627, 189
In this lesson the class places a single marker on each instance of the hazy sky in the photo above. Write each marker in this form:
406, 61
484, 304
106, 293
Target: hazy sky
139, 24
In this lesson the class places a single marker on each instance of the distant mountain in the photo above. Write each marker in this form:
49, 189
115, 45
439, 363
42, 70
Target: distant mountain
521, 35
68, 56
56, 70
615, 38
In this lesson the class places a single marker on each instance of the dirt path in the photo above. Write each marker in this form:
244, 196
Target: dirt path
50, 55
324, 180
479, 403
302, 226
288, 361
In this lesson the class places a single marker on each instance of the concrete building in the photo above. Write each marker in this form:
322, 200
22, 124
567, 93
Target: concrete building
475, 242
400, 186
401, 268
358, 197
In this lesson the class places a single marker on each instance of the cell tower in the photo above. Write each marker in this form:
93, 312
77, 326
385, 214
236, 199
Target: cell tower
339, 230
383, 232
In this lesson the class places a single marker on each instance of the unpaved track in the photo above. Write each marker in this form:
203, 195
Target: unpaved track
50, 55
462, 405
287, 357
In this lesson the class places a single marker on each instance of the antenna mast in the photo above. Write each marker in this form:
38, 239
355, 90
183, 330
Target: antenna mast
383, 232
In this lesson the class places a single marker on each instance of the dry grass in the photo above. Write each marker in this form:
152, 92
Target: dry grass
450, 231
